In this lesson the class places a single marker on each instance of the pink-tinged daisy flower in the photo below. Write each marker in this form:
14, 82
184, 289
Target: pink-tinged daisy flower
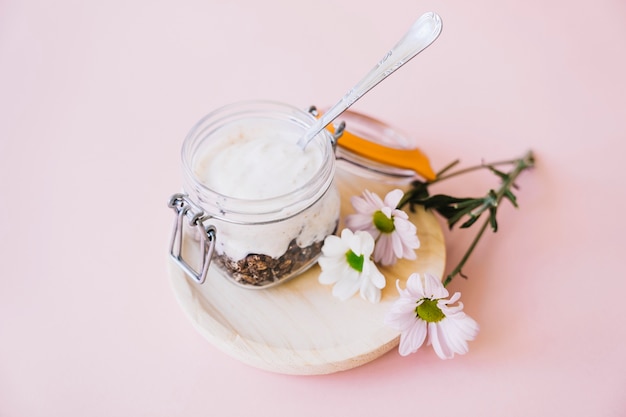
423, 310
395, 236
346, 263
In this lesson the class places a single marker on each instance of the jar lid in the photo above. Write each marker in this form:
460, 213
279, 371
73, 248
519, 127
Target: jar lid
372, 148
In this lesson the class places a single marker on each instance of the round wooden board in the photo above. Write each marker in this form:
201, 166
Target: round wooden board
298, 327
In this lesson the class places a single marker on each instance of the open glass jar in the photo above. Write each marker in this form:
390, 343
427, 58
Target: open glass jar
259, 206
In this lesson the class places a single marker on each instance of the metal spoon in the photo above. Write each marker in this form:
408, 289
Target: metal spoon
421, 34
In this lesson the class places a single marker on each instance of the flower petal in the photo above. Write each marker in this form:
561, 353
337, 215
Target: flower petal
347, 286
396, 244
415, 286
363, 244
332, 270
454, 337
450, 311
398, 319
346, 236
360, 222
362, 206
383, 251
466, 327
399, 214
438, 339
334, 246
407, 233
413, 338
393, 198
433, 288
369, 292
373, 200
376, 277
455, 297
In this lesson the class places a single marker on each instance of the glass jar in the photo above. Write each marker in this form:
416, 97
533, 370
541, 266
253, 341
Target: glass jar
259, 208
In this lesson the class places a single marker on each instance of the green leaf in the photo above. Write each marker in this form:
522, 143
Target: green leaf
511, 197
451, 208
355, 261
470, 210
503, 176
470, 222
419, 190
441, 200
492, 218
414, 196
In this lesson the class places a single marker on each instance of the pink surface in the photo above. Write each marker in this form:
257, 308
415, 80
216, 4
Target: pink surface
96, 97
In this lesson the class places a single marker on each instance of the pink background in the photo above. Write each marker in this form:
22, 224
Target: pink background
96, 98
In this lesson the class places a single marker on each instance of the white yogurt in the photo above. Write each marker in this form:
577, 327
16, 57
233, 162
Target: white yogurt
255, 160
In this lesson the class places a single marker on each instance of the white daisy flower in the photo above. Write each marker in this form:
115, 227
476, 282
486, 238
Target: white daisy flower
395, 236
423, 310
346, 263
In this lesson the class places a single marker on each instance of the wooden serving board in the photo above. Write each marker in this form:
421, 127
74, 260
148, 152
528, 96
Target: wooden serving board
298, 327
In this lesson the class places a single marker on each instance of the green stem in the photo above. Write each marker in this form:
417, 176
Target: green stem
521, 164
461, 264
441, 177
447, 168
527, 161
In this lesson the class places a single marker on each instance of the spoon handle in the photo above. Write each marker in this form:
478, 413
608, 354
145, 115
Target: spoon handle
421, 34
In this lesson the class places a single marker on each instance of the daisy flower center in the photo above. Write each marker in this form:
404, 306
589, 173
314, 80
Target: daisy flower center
383, 223
355, 261
429, 312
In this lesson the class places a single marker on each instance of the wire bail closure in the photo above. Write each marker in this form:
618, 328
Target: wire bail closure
338, 130
183, 207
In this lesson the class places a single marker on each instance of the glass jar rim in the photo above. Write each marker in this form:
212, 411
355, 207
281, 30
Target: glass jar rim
242, 210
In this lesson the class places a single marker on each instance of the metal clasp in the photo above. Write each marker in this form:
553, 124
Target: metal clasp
338, 130
184, 208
